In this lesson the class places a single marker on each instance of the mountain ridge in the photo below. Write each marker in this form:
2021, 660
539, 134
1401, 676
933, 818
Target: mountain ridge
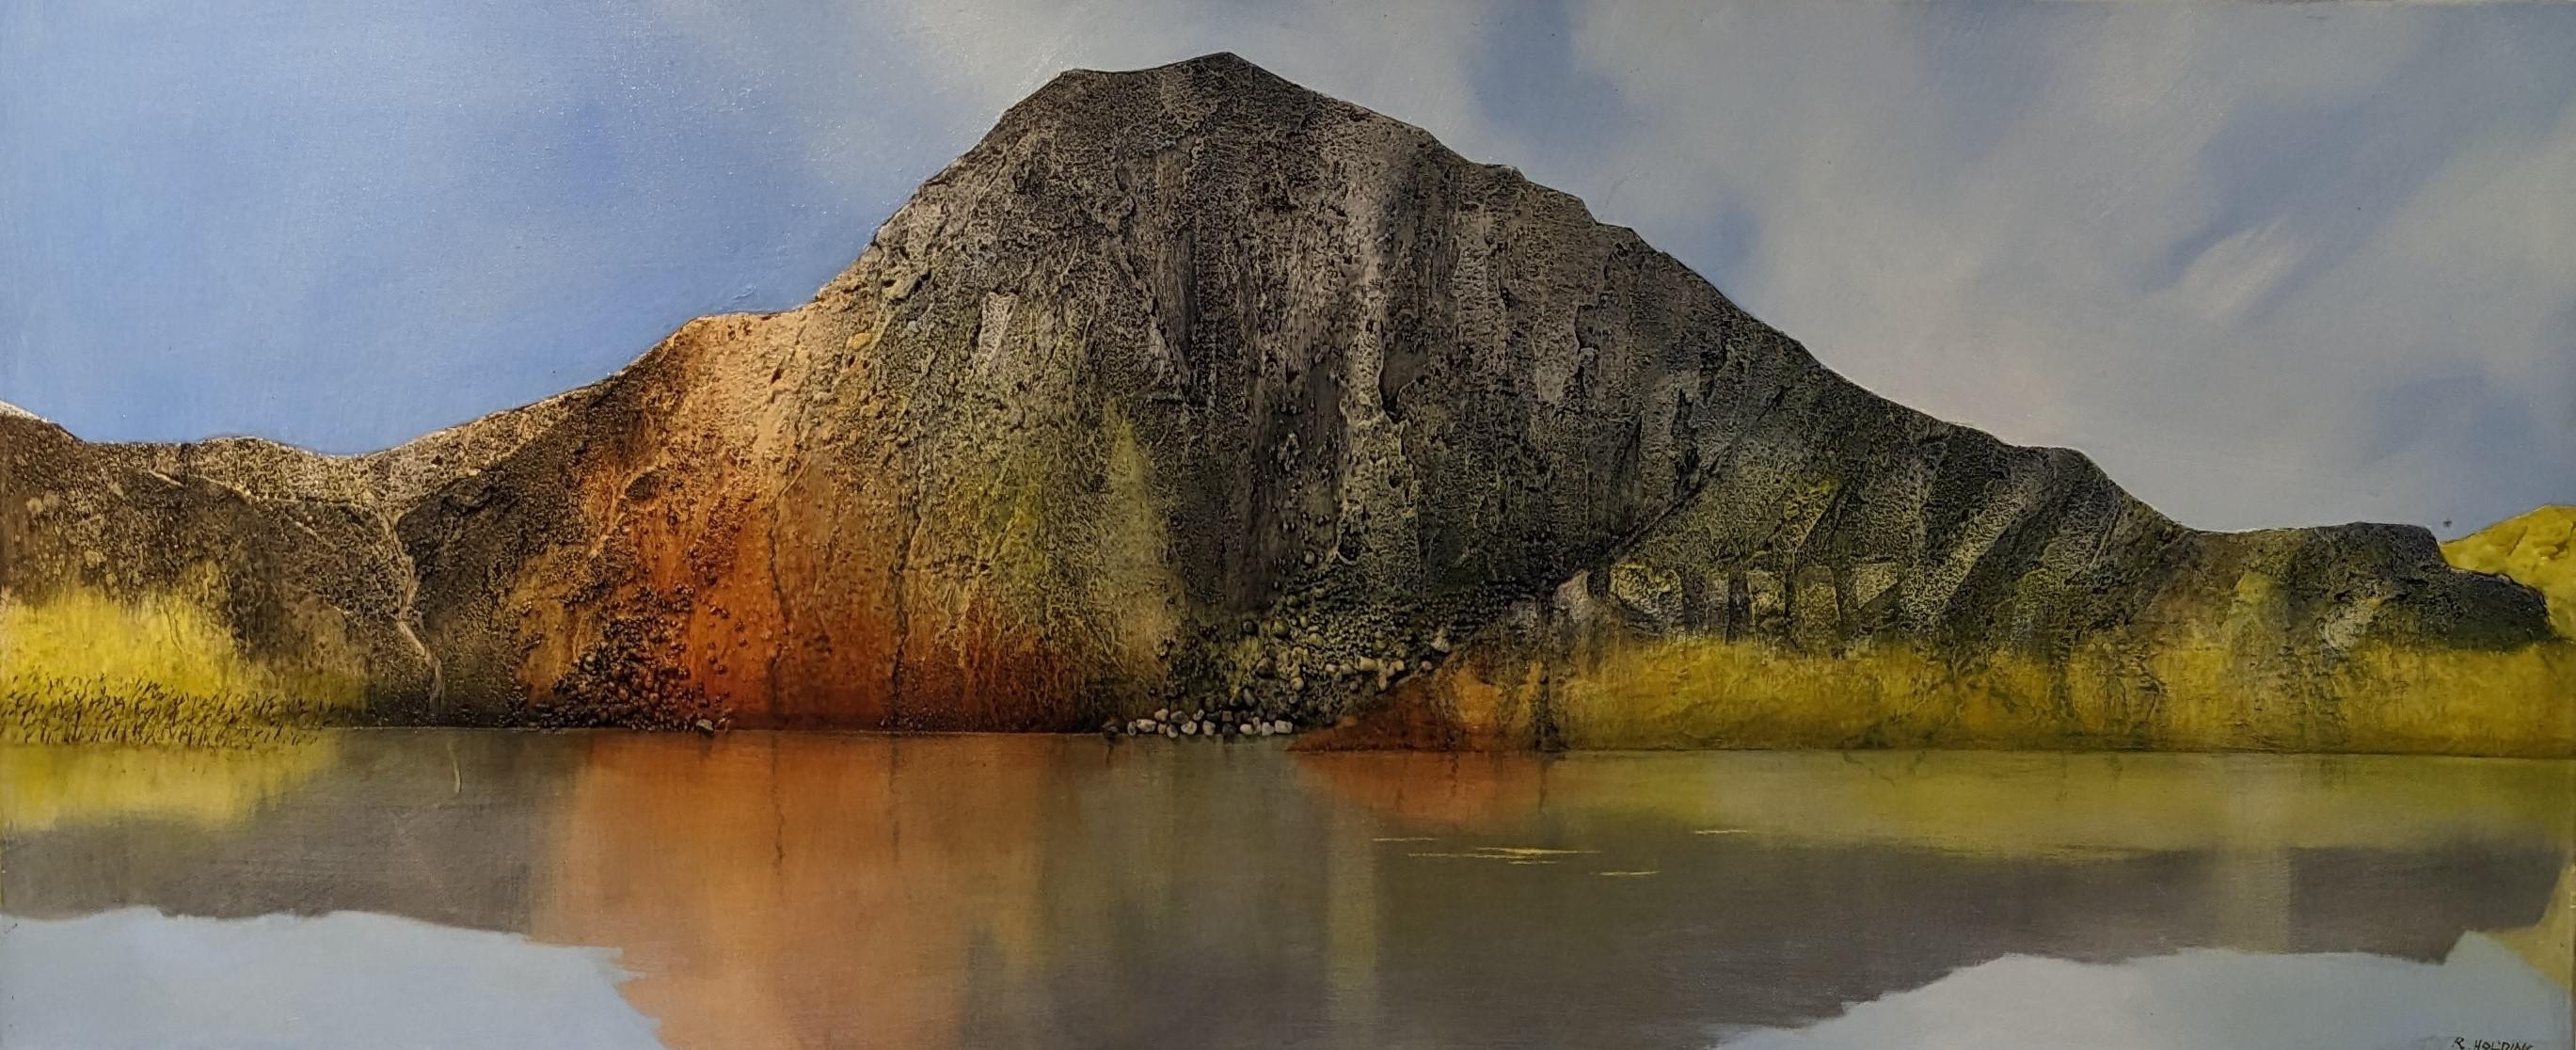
1190, 386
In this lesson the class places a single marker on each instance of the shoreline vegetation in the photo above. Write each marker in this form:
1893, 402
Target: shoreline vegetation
82, 668
1641, 694
1333, 424
1576, 679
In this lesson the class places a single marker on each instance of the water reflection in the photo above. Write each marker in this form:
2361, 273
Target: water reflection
2481, 995
136, 978
437, 826
44, 786
785, 890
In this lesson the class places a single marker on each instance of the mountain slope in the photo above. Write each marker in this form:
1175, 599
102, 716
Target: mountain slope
1190, 386
2537, 549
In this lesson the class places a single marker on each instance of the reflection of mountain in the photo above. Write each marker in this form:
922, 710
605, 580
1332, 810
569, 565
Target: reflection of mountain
136, 978
2549, 945
827, 885
1190, 385
1999, 804
437, 826
966, 891
2480, 995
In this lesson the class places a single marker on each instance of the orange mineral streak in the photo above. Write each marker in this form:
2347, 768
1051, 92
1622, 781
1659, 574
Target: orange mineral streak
1476, 701
685, 501
838, 635
801, 581
976, 671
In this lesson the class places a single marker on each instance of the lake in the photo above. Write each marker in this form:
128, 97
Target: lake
459, 887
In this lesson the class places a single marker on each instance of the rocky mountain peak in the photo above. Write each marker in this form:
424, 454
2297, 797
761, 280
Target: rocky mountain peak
1192, 388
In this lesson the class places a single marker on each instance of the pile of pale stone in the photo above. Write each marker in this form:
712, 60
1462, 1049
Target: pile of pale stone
1176, 724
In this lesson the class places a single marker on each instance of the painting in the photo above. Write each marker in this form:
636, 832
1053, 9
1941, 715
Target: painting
1149, 523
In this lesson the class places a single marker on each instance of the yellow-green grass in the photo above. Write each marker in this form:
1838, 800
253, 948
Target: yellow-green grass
2538, 549
80, 666
2378, 698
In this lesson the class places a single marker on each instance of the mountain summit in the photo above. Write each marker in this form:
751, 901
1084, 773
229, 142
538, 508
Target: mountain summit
1189, 387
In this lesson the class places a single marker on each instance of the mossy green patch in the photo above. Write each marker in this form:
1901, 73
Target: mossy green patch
1068, 531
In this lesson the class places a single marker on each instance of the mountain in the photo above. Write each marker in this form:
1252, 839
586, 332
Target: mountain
2537, 548
1192, 387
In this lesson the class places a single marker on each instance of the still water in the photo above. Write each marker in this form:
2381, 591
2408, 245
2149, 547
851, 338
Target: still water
450, 888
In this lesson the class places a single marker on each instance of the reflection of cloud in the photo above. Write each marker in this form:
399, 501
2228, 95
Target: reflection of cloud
137, 978
2211, 998
802, 889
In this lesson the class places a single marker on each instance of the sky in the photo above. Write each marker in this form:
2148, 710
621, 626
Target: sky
2268, 264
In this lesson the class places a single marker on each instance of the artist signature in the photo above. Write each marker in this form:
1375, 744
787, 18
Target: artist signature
2461, 1043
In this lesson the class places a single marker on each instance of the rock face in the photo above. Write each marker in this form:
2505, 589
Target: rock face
1190, 387
2537, 548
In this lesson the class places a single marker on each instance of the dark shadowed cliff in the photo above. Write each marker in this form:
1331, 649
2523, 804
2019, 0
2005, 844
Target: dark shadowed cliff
1190, 386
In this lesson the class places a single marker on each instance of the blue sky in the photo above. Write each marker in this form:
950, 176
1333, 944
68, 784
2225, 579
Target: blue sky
2270, 265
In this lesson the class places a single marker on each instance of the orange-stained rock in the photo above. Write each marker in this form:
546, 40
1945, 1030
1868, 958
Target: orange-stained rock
1191, 387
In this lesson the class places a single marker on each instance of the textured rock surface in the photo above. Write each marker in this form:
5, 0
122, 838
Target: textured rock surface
285, 550
1191, 384
2537, 549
